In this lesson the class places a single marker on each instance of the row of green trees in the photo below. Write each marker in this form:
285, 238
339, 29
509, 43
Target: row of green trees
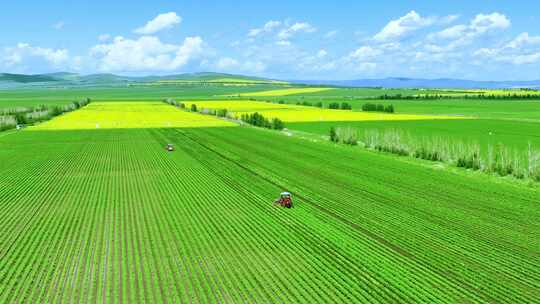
258, 120
319, 104
11, 118
371, 107
340, 106
254, 119
509, 96
175, 103
308, 104
497, 159
347, 135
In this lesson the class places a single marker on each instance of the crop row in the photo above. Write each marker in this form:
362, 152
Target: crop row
110, 216
456, 219
123, 222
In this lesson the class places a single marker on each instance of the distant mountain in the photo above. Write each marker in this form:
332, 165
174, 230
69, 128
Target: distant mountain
105, 78
64, 79
442, 83
21, 78
73, 79
63, 75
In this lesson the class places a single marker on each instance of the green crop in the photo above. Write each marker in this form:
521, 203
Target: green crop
109, 215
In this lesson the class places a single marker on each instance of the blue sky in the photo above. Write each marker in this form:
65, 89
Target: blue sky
481, 40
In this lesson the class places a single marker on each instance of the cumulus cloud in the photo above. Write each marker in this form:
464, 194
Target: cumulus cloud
399, 28
481, 24
452, 32
524, 40
364, 53
267, 28
159, 23
280, 31
526, 59
147, 53
298, 27
524, 49
23, 51
503, 55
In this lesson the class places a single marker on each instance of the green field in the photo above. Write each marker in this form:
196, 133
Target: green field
108, 215
297, 113
64, 95
521, 110
514, 134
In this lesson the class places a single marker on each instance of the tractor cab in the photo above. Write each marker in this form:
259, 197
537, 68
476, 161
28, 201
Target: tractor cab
284, 200
169, 147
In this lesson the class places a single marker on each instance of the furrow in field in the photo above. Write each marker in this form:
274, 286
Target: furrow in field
275, 156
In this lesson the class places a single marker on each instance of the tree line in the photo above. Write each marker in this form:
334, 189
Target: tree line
371, 107
12, 118
512, 96
258, 120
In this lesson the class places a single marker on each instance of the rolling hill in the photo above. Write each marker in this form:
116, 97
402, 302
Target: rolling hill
64, 78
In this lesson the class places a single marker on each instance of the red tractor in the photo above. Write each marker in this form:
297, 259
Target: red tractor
284, 200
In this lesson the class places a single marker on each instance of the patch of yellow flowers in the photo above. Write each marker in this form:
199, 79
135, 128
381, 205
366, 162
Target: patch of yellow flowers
284, 92
130, 115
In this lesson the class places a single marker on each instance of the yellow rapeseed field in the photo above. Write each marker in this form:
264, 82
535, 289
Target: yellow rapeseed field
296, 113
240, 105
284, 92
129, 115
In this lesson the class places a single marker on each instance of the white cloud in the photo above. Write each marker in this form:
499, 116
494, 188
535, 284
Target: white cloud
364, 53
159, 23
483, 23
485, 52
322, 53
502, 55
298, 27
526, 59
283, 43
331, 34
403, 26
523, 40
524, 49
24, 51
146, 53
453, 32
267, 28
